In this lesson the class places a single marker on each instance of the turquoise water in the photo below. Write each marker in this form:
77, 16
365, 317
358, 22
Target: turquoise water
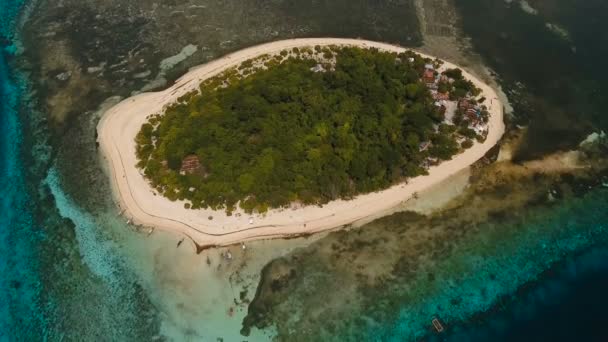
21, 312
483, 285
513, 307
569, 304
505, 284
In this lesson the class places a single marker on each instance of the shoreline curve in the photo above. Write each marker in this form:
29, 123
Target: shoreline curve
140, 204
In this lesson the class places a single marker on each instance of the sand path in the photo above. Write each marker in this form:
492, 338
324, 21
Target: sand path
120, 124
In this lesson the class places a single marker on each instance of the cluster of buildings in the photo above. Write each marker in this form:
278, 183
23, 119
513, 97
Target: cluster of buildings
442, 99
472, 110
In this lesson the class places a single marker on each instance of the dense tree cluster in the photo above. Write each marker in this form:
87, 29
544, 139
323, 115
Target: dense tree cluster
457, 86
286, 133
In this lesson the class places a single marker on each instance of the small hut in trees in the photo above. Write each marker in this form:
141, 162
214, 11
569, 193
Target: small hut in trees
428, 76
190, 164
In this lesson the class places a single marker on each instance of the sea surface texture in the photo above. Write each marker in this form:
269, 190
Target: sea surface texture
520, 254
21, 304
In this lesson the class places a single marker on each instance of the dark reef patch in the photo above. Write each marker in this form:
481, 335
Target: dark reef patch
554, 81
402, 263
357, 285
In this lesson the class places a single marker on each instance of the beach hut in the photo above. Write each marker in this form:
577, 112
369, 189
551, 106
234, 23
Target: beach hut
428, 77
190, 164
441, 96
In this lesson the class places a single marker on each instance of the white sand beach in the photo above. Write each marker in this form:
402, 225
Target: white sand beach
141, 204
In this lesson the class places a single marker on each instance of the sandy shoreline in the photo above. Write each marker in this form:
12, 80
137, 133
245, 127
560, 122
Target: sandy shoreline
120, 124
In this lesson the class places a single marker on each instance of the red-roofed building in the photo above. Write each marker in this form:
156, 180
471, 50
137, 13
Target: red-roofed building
473, 115
428, 76
190, 164
441, 96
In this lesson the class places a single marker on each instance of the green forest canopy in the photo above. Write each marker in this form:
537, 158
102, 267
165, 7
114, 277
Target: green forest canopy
266, 137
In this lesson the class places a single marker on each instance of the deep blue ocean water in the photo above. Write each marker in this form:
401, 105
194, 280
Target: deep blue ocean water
568, 305
539, 278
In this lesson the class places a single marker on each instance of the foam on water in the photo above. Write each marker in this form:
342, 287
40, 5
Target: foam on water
97, 252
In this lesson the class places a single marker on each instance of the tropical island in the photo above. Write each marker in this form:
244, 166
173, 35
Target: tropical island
294, 137
307, 126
